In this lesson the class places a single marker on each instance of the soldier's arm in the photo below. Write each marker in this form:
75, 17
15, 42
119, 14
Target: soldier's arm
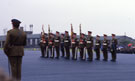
76, 42
53, 41
100, 43
69, 41
59, 40
92, 42
85, 42
47, 41
7, 43
108, 42
116, 42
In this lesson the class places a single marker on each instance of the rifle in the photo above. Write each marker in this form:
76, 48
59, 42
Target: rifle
80, 30
43, 29
49, 39
71, 42
43, 34
47, 51
84, 54
76, 52
48, 31
71, 33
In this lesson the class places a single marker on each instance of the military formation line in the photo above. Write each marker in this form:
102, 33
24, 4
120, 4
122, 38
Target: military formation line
62, 43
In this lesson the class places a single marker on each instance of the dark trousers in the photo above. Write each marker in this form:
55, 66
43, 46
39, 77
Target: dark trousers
67, 52
57, 51
113, 55
90, 53
97, 53
105, 54
43, 51
51, 52
15, 63
73, 52
62, 50
81, 52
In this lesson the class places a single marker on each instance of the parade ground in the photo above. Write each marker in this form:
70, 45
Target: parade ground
35, 68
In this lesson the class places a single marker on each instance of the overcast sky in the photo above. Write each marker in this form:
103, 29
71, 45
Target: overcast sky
99, 16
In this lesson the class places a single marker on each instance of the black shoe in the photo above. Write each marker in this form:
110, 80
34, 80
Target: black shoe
80, 57
67, 58
97, 59
113, 60
90, 60
46, 56
57, 57
83, 59
74, 59
105, 60
52, 57
62, 56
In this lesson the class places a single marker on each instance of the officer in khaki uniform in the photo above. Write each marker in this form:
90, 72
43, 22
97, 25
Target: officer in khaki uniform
57, 44
50, 50
114, 43
89, 46
62, 45
43, 44
14, 48
74, 45
97, 47
82, 45
105, 48
67, 43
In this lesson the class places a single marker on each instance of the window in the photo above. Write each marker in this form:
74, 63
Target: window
36, 41
31, 41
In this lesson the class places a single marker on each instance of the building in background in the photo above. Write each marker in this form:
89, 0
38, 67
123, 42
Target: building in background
34, 39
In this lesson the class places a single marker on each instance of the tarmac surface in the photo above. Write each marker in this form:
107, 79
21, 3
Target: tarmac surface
35, 68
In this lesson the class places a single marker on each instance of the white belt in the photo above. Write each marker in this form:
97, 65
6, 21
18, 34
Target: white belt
88, 41
73, 42
56, 40
66, 41
43, 41
50, 42
97, 43
104, 44
81, 42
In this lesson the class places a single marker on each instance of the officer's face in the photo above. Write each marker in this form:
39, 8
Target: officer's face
113, 37
74, 36
105, 37
51, 35
89, 34
57, 34
66, 34
82, 36
97, 38
62, 36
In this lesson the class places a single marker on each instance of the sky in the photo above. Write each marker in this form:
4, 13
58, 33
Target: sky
99, 16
